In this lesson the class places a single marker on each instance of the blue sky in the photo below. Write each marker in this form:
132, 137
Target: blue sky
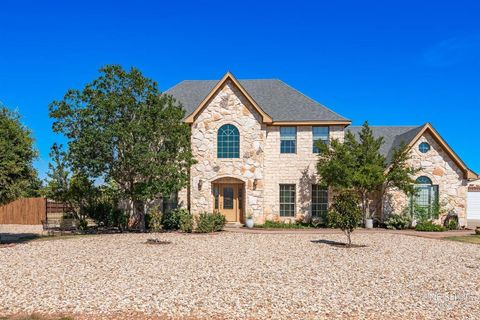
389, 62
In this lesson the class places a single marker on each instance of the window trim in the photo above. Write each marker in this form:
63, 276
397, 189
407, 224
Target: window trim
326, 141
294, 203
295, 140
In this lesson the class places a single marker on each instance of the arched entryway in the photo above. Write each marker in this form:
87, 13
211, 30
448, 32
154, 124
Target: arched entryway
228, 196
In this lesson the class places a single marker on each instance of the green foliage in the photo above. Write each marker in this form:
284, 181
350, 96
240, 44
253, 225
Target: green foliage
178, 219
82, 197
452, 225
155, 220
186, 221
398, 222
421, 213
120, 128
357, 164
429, 226
345, 213
106, 214
283, 225
18, 178
74, 190
171, 219
210, 222
399, 172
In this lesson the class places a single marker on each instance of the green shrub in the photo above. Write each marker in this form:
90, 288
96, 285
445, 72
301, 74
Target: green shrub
171, 219
398, 222
429, 226
153, 220
178, 219
106, 214
282, 225
451, 221
452, 225
345, 213
210, 222
186, 221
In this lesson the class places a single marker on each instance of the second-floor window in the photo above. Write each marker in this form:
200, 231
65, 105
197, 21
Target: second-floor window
228, 142
288, 139
319, 134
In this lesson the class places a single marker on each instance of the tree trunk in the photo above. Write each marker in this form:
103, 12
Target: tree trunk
364, 205
349, 238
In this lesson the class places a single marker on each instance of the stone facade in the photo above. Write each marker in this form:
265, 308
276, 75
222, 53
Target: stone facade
228, 106
295, 168
437, 165
261, 166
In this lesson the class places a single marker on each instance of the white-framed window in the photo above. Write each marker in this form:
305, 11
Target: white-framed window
319, 201
287, 200
288, 139
321, 134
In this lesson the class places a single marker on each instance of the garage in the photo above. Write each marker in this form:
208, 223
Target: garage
473, 205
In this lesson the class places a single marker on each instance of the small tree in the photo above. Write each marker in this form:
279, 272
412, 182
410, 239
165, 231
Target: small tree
18, 178
76, 191
358, 165
345, 213
398, 174
81, 195
120, 128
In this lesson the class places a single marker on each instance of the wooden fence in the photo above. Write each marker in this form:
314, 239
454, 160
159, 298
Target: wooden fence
24, 211
31, 211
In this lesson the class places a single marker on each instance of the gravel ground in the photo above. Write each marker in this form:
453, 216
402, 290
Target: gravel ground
242, 276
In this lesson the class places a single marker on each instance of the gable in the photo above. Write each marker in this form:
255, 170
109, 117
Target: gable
394, 136
228, 78
429, 130
281, 103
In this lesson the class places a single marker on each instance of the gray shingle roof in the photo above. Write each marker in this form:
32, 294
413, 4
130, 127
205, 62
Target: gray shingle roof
280, 101
392, 136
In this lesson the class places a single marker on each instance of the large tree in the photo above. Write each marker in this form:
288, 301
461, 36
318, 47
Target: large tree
357, 164
18, 178
120, 128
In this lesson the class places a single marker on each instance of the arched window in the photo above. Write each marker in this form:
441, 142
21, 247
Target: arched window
425, 200
423, 180
228, 142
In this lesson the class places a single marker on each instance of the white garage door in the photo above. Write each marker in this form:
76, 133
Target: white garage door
473, 205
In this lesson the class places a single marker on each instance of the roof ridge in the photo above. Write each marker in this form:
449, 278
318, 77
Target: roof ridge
286, 84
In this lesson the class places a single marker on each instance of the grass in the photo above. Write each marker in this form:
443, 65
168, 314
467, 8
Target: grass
281, 225
467, 239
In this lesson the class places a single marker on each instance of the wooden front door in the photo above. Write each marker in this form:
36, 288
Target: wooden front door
226, 200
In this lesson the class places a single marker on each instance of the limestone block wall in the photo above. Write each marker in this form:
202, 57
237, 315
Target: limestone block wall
298, 169
442, 170
228, 106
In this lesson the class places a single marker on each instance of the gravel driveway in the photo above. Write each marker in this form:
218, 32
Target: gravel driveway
235, 275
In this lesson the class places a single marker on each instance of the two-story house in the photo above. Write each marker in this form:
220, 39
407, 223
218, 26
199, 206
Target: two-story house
254, 142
